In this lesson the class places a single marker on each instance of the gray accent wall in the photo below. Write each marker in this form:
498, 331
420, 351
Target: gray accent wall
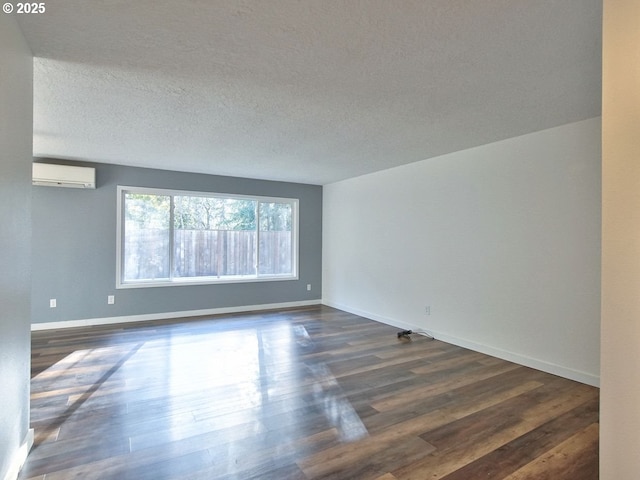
16, 132
74, 248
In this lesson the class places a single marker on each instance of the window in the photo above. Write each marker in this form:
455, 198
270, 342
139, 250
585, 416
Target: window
177, 237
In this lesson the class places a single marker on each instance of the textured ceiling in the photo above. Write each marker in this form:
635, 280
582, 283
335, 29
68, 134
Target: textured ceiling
301, 90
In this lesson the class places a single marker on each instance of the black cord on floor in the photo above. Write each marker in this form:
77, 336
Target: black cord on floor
406, 334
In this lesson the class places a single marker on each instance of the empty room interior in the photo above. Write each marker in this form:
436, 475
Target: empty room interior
304, 240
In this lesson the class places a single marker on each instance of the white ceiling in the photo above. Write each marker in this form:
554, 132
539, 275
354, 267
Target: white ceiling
302, 90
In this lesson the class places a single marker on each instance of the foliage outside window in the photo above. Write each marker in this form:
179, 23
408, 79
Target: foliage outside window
174, 237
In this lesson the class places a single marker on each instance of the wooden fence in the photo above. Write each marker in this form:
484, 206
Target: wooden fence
212, 253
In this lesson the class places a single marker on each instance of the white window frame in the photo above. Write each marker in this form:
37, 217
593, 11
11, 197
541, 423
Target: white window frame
202, 280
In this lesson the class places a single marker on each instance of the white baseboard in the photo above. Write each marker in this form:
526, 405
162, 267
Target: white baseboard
20, 456
167, 315
362, 313
578, 376
555, 369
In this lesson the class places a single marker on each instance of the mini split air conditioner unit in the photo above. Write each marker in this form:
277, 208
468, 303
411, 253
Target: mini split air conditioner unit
50, 175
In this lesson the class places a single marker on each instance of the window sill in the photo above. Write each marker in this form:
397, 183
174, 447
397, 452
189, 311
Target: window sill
177, 282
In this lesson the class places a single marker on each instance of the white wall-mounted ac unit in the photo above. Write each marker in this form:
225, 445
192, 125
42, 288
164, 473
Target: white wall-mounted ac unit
52, 175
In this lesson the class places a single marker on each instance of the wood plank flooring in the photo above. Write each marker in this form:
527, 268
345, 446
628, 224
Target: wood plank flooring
312, 393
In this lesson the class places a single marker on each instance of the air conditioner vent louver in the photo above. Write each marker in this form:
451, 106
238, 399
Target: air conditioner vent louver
53, 175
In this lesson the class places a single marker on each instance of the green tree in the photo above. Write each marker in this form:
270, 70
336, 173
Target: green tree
211, 213
147, 211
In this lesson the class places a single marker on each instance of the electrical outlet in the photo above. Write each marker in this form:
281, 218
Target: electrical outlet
427, 310
52, 303
308, 287
111, 299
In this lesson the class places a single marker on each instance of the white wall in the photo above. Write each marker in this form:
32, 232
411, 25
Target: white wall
16, 131
502, 241
620, 393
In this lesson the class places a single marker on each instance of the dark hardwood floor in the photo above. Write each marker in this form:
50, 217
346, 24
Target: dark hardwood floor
296, 394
